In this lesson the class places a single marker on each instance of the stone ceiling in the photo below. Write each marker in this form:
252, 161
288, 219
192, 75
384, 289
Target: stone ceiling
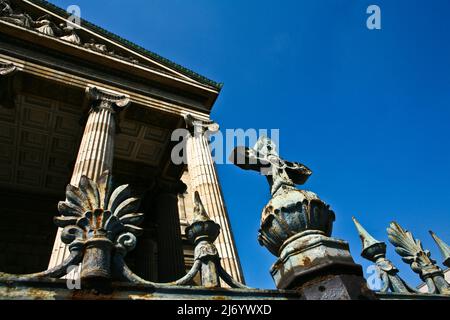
39, 140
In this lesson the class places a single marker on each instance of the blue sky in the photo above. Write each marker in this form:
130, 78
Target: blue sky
367, 111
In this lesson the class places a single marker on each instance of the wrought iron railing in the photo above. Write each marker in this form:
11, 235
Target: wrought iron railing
412, 253
100, 226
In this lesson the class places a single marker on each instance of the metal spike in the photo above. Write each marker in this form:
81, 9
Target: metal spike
371, 246
199, 210
445, 249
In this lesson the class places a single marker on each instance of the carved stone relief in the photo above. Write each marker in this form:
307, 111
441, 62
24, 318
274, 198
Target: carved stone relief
49, 26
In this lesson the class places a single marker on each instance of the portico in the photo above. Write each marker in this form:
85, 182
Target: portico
70, 109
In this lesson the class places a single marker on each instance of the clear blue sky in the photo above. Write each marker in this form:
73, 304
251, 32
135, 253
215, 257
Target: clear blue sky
367, 111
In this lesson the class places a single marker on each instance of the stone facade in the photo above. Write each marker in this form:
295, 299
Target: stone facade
84, 102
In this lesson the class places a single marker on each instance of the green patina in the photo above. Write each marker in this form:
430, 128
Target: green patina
133, 46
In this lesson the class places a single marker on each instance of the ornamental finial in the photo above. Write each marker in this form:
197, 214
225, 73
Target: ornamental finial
369, 243
375, 251
263, 157
102, 220
290, 211
199, 209
445, 249
412, 253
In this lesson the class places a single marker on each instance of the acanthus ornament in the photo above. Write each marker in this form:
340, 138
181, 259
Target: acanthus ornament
412, 253
100, 219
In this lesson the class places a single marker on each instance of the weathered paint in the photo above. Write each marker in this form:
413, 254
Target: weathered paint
57, 290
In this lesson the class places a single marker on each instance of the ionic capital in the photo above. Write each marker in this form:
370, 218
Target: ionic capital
199, 126
107, 99
7, 69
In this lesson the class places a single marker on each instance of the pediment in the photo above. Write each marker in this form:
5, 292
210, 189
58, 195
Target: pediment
42, 19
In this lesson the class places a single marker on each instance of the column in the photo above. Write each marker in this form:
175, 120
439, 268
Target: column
170, 246
96, 151
7, 70
204, 179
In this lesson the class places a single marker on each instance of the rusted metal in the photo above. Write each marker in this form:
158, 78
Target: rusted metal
290, 211
102, 220
48, 289
202, 233
412, 253
74, 258
296, 226
375, 251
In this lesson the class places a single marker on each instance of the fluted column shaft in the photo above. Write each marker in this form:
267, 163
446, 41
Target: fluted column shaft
204, 179
170, 246
96, 151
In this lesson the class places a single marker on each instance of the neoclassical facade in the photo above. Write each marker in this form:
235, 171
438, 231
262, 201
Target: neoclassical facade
80, 101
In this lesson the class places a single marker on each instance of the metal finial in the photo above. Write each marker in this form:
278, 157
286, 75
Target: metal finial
199, 210
412, 253
445, 249
375, 251
369, 242
366, 237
